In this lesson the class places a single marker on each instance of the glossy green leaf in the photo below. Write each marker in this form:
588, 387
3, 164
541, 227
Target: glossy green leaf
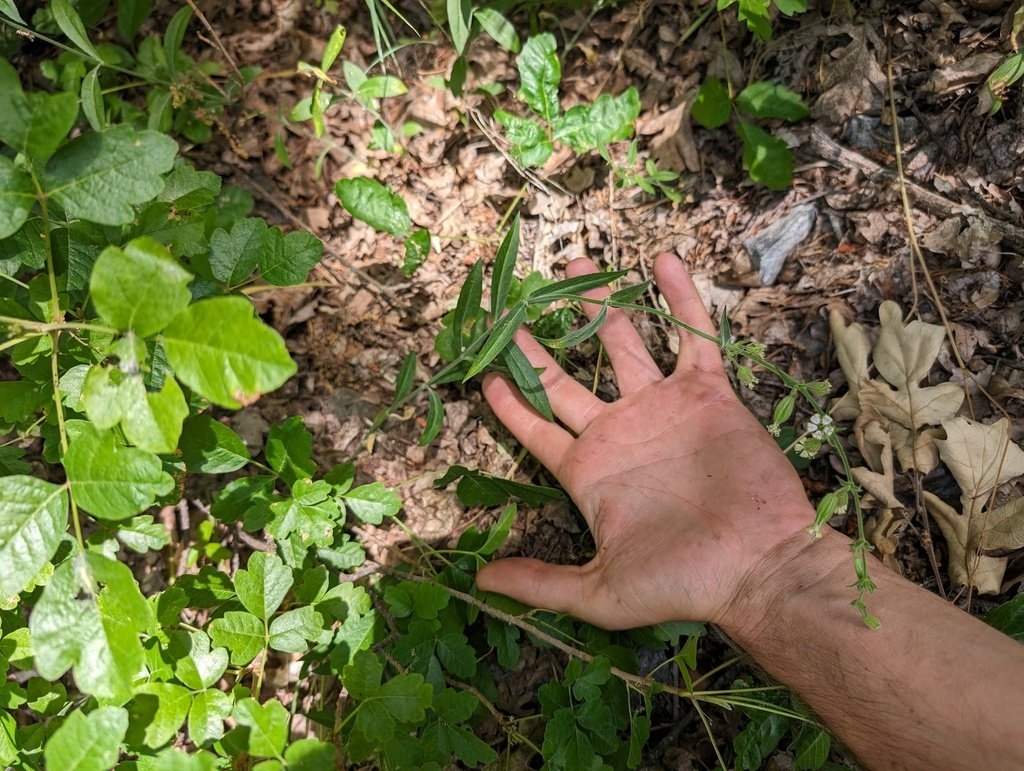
1008, 618
540, 74
310, 755
311, 513
203, 666
10, 10
112, 481
476, 488
220, 349
140, 287
609, 119
368, 200
498, 339
289, 450
767, 99
131, 15
87, 742
529, 143
417, 249
381, 87
157, 712
17, 197
141, 534
504, 268
206, 716
767, 159
100, 176
435, 418
498, 533
90, 616
263, 584
791, 7
333, 48
235, 254
35, 517
467, 307
372, 503
267, 724
210, 447
294, 255
92, 100
577, 336
712, 106
572, 286
71, 25
292, 630
460, 17
527, 380
501, 30
34, 124
241, 633
406, 375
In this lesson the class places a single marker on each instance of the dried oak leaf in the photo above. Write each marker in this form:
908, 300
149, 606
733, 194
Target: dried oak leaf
853, 346
981, 457
903, 355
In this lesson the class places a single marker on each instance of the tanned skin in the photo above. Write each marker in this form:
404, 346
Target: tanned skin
697, 515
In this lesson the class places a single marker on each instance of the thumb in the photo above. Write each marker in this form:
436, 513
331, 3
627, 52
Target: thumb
561, 588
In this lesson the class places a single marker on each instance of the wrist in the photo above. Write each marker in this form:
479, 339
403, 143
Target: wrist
800, 569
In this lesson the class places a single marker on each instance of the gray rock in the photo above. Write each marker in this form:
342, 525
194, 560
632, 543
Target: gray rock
771, 246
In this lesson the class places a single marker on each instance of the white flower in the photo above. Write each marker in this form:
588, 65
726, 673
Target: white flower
774, 429
821, 427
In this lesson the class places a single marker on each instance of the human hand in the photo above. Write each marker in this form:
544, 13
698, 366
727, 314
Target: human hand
687, 496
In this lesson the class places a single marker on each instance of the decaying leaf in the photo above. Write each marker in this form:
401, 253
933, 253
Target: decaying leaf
966, 566
981, 457
896, 418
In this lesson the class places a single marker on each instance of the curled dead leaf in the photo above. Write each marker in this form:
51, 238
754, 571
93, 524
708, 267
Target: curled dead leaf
962, 533
980, 456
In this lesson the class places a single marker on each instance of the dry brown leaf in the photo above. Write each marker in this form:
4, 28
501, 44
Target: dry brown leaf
915, 450
962, 534
854, 82
1005, 528
980, 456
853, 345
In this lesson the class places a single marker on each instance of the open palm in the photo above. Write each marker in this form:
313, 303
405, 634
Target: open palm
685, 492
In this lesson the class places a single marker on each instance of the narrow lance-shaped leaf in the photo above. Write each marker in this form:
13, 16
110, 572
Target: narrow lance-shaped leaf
406, 374
333, 47
504, 268
577, 336
435, 418
527, 380
460, 17
468, 305
499, 337
568, 287
70, 24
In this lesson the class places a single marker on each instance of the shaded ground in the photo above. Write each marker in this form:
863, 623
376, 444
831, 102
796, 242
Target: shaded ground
350, 334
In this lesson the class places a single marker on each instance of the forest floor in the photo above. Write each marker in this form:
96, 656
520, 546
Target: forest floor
351, 330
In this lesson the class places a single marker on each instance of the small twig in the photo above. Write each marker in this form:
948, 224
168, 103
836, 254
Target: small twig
216, 38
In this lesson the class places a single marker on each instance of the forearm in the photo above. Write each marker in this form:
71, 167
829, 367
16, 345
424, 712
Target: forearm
933, 688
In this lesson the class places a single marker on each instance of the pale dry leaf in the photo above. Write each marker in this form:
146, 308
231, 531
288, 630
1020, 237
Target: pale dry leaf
966, 566
913, 407
980, 456
853, 345
876, 447
915, 450
1005, 527
904, 354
